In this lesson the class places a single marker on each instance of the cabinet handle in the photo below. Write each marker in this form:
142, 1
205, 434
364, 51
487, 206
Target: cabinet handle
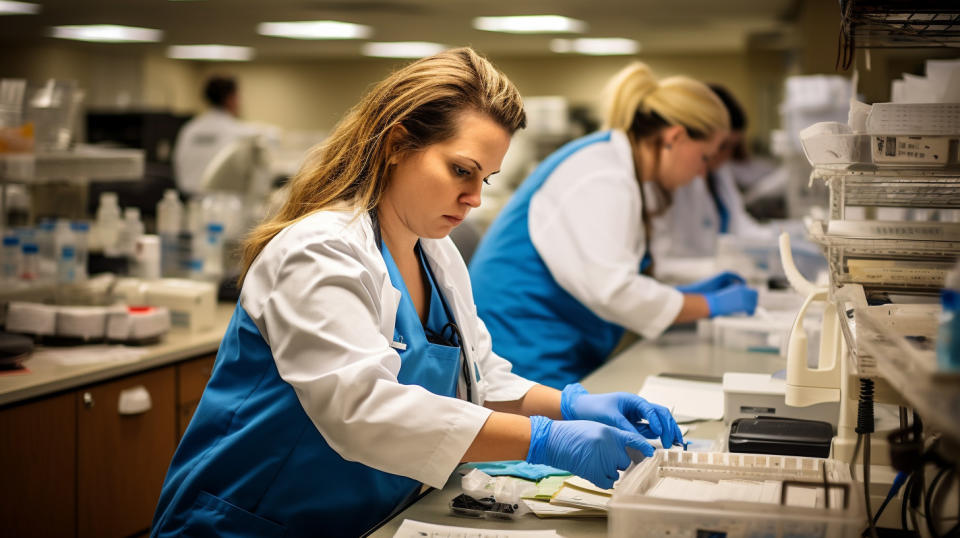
88, 400
134, 401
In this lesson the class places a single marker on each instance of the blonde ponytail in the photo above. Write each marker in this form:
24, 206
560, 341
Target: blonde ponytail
640, 104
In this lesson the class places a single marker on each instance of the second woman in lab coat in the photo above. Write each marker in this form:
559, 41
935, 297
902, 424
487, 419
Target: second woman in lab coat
562, 270
355, 367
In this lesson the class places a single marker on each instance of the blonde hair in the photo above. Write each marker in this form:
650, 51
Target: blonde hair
639, 104
424, 99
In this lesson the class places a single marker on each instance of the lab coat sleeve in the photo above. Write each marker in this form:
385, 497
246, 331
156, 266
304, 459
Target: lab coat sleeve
590, 236
322, 324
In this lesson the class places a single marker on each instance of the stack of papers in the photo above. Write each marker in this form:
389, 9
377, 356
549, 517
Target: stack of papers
687, 400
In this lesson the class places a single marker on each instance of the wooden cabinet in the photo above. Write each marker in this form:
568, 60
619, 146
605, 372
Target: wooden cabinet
123, 454
77, 465
192, 377
38, 443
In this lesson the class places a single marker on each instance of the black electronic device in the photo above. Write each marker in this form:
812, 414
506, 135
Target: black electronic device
781, 435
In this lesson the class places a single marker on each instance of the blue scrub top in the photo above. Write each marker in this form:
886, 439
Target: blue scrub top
252, 463
548, 335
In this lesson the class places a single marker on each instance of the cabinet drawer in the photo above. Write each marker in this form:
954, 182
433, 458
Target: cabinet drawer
38, 443
123, 451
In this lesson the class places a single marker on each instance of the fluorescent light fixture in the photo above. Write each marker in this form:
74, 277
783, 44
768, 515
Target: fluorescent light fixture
18, 8
530, 24
314, 30
402, 49
597, 46
107, 33
227, 53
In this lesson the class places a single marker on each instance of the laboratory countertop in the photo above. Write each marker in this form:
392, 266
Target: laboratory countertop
45, 374
676, 352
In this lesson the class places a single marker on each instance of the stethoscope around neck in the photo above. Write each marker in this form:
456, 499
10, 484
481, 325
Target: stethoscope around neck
449, 335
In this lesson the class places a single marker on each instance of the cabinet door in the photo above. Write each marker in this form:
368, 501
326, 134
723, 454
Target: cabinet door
192, 377
123, 458
38, 481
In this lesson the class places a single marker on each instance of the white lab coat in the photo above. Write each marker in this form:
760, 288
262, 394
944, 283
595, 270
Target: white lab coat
198, 143
320, 295
690, 227
586, 224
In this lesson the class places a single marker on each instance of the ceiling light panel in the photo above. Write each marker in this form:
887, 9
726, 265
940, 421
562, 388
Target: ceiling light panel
530, 24
402, 49
315, 30
107, 33
597, 46
18, 8
227, 53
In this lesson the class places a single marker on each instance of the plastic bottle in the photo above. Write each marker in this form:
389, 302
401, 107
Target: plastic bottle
948, 336
64, 245
130, 230
169, 221
81, 238
191, 242
10, 267
67, 265
213, 253
30, 263
46, 248
148, 257
108, 223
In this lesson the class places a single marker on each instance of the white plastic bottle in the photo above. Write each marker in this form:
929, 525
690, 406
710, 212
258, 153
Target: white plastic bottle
169, 220
81, 240
65, 248
30, 264
130, 230
193, 241
10, 267
213, 253
108, 223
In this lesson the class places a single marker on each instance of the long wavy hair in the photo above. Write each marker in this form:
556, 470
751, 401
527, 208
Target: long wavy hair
424, 99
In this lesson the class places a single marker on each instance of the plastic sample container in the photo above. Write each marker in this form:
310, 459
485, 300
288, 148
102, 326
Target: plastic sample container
790, 480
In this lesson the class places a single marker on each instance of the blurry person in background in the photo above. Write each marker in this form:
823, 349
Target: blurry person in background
565, 268
205, 135
710, 205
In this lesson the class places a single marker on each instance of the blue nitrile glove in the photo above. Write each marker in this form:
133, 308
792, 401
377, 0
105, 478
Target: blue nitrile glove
583, 447
714, 283
732, 299
620, 410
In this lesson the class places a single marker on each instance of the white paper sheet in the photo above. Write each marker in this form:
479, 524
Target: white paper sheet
418, 529
690, 400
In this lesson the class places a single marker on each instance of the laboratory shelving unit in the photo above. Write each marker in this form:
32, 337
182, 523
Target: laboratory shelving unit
78, 165
885, 278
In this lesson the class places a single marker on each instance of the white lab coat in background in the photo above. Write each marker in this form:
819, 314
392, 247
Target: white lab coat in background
586, 224
691, 226
322, 299
200, 140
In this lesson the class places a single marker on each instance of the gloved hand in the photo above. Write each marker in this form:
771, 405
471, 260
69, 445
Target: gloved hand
732, 299
714, 283
583, 447
620, 410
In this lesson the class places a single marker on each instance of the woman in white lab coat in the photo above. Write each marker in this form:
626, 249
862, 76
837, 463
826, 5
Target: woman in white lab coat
355, 367
563, 269
708, 206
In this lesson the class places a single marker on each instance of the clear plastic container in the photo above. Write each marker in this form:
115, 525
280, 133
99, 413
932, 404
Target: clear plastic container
30, 263
10, 265
791, 501
213, 253
108, 223
81, 240
67, 264
169, 222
